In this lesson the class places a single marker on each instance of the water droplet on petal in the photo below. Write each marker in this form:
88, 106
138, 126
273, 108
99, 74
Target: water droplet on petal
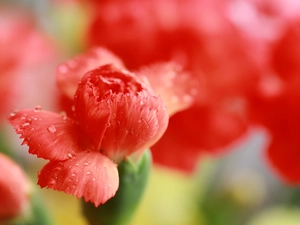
26, 124
52, 129
77, 164
63, 115
88, 173
51, 182
87, 163
37, 108
13, 113
70, 155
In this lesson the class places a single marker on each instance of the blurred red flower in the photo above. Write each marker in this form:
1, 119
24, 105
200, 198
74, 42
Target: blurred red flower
200, 36
276, 104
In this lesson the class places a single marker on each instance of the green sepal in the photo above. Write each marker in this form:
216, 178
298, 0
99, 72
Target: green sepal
119, 210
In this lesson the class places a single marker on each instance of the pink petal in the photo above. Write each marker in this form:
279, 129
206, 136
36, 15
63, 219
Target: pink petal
92, 107
14, 189
49, 135
118, 113
69, 74
137, 122
176, 87
89, 174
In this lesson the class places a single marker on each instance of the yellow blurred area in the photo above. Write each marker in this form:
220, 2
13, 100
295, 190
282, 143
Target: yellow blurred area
277, 215
168, 200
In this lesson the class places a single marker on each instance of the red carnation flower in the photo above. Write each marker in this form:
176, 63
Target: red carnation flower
114, 116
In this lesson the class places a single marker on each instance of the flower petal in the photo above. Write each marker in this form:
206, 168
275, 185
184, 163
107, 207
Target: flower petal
69, 74
283, 154
89, 174
197, 131
14, 189
137, 122
49, 135
118, 113
176, 87
98, 101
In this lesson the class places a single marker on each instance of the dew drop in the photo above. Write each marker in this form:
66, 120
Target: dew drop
88, 173
63, 115
70, 155
52, 129
87, 163
13, 113
73, 174
37, 108
26, 124
77, 164
51, 182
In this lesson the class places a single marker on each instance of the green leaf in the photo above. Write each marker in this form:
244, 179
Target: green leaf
120, 209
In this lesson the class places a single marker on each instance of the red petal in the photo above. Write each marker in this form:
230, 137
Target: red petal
176, 87
283, 154
69, 74
114, 104
137, 122
89, 174
14, 189
173, 153
197, 131
49, 135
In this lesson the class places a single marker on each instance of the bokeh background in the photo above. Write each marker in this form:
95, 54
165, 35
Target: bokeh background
235, 186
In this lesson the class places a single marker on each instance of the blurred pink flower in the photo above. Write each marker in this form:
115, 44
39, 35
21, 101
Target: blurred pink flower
25, 58
14, 189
